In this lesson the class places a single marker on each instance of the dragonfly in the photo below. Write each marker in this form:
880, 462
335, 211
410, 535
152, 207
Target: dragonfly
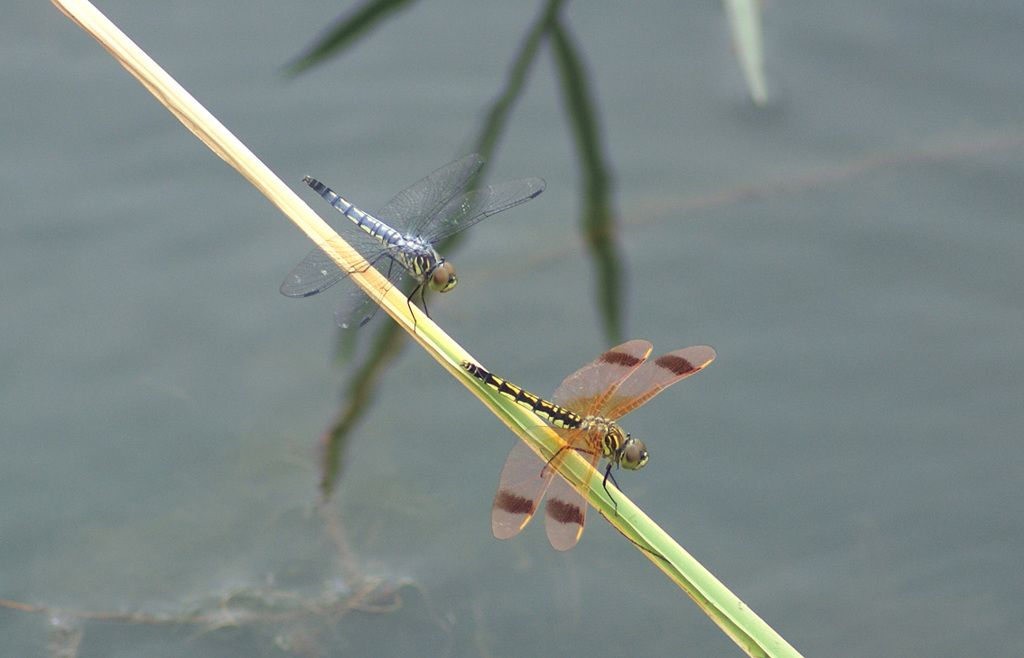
583, 412
399, 240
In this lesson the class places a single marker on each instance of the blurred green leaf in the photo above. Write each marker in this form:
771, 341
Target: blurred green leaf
745, 24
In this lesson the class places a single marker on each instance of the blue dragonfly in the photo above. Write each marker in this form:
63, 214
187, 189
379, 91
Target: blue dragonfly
399, 241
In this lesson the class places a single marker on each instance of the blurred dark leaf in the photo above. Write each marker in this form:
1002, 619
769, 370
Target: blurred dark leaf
497, 115
599, 225
346, 31
598, 217
388, 340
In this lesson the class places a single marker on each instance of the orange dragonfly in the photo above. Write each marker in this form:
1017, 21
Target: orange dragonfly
583, 412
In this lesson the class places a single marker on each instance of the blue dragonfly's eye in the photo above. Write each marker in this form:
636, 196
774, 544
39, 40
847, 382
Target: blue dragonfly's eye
444, 278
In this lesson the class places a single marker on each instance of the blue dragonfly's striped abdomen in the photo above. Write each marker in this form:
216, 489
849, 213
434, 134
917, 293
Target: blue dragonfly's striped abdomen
415, 254
388, 236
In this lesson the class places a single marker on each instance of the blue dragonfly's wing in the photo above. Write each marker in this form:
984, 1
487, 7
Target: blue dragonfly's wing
355, 308
318, 271
471, 207
415, 206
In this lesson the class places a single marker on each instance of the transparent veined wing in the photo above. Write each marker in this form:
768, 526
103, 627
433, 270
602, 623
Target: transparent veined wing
565, 511
415, 206
434, 208
318, 272
652, 377
586, 390
355, 308
524, 479
475, 205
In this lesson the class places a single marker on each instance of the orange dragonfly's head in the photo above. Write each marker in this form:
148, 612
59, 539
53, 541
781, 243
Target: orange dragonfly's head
633, 454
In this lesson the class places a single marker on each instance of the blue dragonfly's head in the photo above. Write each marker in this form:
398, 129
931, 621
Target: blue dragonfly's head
443, 279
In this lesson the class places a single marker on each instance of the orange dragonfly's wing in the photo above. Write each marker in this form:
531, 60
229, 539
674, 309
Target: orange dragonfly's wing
564, 513
524, 479
586, 390
566, 509
652, 377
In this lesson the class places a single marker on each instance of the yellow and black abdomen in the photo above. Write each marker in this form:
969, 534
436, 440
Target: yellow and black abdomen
552, 413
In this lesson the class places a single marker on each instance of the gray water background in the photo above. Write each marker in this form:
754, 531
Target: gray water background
850, 465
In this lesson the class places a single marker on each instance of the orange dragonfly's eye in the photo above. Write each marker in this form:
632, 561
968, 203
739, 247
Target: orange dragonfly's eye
633, 454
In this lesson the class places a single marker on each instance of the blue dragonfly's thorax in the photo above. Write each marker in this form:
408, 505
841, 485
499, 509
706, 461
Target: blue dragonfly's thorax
423, 263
